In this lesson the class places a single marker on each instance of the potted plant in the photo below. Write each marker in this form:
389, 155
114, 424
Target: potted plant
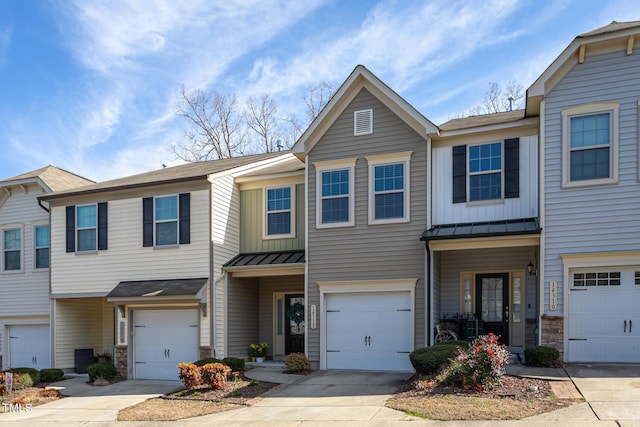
258, 351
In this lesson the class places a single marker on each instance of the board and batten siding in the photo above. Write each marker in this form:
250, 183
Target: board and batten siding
81, 323
252, 221
593, 218
368, 252
242, 318
25, 292
500, 260
524, 206
126, 258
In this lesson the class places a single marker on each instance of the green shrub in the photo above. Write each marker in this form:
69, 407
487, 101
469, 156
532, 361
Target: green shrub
297, 362
429, 360
545, 357
461, 343
50, 375
215, 374
28, 376
106, 371
204, 361
235, 363
479, 366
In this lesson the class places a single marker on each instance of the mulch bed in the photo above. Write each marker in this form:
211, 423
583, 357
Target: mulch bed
237, 392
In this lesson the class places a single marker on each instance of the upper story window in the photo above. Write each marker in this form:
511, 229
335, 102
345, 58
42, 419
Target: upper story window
166, 220
589, 139
41, 246
389, 188
486, 172
12, 249
335, 193
86, 228
279, 218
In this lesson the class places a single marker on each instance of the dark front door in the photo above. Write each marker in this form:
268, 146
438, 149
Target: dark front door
492, 304
294, 321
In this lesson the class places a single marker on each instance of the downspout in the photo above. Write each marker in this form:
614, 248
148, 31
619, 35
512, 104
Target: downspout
43, 207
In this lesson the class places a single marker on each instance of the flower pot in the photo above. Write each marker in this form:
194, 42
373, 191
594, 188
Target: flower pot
253, 358
259, 359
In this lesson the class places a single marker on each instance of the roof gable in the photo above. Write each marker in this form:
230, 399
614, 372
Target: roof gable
50, 178
361, 78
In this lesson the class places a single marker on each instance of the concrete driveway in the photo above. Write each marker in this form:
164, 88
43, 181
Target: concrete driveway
323, 396
88, 403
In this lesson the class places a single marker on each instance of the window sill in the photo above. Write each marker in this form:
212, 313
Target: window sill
491, 202
160, 247
93, 252
12, 272
278, 236
389, 221
590, 183
335, 225
40, 270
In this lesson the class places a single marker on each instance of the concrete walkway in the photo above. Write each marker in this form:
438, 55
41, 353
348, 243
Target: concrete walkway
86, 403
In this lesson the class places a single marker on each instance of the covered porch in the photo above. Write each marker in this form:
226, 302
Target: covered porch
265, 302
484, 279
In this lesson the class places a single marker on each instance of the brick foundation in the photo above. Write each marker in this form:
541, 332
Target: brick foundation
121, 361
553, 332
531, 333
205, 352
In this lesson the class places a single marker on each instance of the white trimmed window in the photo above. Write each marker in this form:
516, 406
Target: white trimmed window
335, 193
41, 246
12, 250
590, 144
87, 227
389, 185
279, 219
166, 220
485, 172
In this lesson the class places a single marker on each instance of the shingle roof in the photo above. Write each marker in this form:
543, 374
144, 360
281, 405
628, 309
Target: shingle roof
482, 229
53, 177
157, 288
483, 120
611, 28
186, 172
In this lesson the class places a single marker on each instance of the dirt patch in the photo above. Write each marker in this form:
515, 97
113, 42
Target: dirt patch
32, 396
197, 402
515, 399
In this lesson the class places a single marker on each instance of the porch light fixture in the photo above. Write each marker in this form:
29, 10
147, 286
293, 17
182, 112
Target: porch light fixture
531, 269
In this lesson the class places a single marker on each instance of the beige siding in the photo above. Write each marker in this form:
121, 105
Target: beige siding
126, 259
268, 286
25, 293
226, 244
368, 252
242, 316
252, 220
82, 323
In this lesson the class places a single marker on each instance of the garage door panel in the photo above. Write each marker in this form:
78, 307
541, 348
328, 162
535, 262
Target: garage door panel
369, 331
29, 346
162, 340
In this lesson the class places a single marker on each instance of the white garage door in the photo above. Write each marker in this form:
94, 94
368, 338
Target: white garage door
604, 315
369, 331
163, 339
29, 346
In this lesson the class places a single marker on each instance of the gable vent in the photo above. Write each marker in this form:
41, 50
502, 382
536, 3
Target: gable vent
363, 122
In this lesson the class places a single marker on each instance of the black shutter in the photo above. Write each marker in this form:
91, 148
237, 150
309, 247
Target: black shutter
147, 221
102, 226
459, 173
71, 228
185, 218
512, 168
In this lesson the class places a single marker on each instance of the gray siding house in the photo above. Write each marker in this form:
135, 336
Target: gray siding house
588, 101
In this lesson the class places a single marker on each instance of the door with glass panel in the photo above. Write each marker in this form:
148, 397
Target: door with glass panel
492, 304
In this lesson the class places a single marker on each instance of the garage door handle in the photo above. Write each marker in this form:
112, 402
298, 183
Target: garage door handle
630, 323
625, 326
168, 353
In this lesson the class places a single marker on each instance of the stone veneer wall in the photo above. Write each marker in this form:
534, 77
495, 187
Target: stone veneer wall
121, 361
205, 352
553, 332
531, 333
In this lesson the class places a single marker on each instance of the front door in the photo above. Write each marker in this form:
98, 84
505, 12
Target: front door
492, 304
294, 324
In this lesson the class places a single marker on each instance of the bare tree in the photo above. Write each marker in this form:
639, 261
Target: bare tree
215, 126
261, 117
498, 99
317, 97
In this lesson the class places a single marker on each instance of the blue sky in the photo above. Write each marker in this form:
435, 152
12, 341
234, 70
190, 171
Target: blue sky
92, 86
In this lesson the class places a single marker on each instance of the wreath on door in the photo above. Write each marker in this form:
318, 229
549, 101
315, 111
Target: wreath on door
296, 313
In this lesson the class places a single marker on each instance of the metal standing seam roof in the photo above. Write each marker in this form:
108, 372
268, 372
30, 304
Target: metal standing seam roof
267, 258
483, 229
158, 288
